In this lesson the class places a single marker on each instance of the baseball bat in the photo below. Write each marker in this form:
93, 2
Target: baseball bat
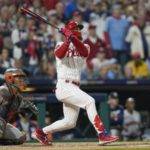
37, 17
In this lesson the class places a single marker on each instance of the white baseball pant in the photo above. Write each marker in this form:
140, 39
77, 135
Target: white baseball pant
73, 99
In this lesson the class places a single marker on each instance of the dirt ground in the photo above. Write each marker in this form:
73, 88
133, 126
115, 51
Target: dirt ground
81, 146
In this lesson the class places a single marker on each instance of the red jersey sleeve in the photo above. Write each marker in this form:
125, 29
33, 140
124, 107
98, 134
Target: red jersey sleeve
61, 49
80, 47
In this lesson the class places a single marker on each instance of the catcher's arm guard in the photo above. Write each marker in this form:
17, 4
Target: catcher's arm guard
26, 103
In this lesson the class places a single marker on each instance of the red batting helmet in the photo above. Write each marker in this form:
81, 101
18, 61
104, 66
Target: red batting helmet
75, 28
72, 25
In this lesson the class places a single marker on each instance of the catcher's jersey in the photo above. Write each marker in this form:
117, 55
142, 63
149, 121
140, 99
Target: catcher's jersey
10, 104
71, 65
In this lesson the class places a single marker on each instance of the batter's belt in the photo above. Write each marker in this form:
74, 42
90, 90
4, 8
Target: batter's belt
73, 82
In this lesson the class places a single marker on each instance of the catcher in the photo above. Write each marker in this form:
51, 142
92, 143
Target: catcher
11, 102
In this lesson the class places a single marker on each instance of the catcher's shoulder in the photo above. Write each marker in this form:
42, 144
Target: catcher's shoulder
4, 89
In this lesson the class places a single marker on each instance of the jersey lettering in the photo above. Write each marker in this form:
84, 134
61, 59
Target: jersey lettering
72, 53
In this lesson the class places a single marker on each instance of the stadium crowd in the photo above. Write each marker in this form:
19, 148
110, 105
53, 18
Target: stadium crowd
118, 32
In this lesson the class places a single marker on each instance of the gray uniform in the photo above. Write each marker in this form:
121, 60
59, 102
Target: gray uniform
9, 104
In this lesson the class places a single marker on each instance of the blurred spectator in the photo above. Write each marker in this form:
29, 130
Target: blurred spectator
50, 55
43, 39
5, 27
36, 6
146, 135
110, 72
82, 5
147, 35
50, 4
134, 37
108, 68
51, 71
101, 60
1, 42
128, 73
89, 73
41, 71
19, 38
77, 5
116, 114
5, 60
12, 14
93, 41
29, 42
30, 24
18, 63
25, 124
130, 12
147, 4
33, 50
115, 32
77, 16
54, 19
59, 7
46, 41
138, 67
132, 121
148, 63
47, 119
69, 9
98, 16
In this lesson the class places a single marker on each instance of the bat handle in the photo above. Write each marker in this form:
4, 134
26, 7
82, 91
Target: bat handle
60, 31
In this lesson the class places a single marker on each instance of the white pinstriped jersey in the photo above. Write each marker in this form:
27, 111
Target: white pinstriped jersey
71, 65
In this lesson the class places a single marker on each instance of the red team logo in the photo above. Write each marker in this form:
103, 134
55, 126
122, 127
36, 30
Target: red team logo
72, 53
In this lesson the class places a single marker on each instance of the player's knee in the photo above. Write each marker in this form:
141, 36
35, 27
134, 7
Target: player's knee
90, 102
70, 123
73, 124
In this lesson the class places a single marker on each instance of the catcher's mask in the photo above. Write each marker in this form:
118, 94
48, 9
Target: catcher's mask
16, 78
75, 28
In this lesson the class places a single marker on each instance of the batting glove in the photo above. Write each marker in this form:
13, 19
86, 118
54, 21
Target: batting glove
66, 32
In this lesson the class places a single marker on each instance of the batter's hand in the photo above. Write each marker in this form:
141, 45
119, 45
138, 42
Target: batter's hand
66, 32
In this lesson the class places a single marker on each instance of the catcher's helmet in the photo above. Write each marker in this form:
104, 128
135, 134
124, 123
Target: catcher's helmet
16, 77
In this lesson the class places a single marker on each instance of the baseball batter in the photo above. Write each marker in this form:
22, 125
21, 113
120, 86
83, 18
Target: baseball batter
11, 102
70, 58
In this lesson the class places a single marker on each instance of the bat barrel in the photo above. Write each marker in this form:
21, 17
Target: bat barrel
36, 16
